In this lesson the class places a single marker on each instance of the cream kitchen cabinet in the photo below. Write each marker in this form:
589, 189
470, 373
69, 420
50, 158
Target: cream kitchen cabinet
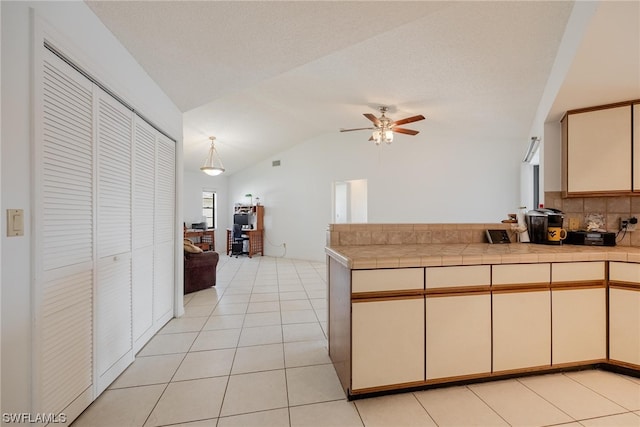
458, 321
596, 148
521, 316
578, 312
624, 313
387, 343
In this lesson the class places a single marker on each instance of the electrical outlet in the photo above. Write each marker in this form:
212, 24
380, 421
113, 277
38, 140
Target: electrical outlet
628, 224
623, 224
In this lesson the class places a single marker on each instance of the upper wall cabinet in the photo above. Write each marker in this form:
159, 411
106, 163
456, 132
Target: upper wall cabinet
597, 147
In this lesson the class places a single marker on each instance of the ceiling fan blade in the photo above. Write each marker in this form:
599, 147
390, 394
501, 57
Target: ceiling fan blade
408, 120
349, 130
405, 131
373, 118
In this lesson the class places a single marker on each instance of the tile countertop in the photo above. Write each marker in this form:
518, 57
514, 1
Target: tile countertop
433, 255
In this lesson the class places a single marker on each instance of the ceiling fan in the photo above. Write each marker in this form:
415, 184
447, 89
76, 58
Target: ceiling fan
384, 127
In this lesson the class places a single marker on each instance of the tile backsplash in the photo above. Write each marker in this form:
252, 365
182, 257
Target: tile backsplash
609, 208
406, 234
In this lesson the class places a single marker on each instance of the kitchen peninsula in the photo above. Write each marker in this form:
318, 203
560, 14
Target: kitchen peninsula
417, 305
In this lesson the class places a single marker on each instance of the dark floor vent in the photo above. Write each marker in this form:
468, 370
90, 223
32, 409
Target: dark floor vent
275, 163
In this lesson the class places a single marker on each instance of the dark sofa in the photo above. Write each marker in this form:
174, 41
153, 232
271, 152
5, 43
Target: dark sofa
199, 270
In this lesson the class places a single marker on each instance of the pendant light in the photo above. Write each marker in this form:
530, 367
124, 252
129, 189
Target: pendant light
213, 165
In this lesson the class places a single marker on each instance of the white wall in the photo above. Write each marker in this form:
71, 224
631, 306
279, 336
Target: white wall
552, 155
444, 175
83, 37
194, 184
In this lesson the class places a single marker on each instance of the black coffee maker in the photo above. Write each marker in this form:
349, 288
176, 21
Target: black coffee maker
545, 226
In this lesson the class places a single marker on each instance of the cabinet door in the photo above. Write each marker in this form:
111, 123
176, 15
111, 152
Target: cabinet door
387, 343
605, 134
521, 329
578, 325
624, 325
458, 335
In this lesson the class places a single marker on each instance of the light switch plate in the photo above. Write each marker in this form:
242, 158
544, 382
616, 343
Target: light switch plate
15, 222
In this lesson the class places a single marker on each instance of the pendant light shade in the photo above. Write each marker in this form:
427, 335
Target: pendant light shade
213, 165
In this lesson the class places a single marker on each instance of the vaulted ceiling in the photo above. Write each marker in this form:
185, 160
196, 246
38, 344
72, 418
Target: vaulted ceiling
266, 75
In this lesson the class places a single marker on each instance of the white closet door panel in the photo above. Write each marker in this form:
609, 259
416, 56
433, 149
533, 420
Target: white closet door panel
143, 179
163, 283
113, 311
66, 338
165, 190
142, 291
66, 164
114, 177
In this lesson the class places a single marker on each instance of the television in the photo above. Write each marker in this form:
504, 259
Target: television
241, 219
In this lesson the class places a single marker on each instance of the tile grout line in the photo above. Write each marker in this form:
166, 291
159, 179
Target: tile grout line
598, 393
545, 399
487, 404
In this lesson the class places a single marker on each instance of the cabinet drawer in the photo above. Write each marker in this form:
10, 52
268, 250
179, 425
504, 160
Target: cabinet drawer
387, 280
512, 274
446, 277
624, 272
577, 271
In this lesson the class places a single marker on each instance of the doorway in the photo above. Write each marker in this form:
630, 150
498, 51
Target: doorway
350, 201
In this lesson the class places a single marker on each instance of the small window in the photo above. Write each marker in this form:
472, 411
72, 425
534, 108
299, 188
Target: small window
209, 208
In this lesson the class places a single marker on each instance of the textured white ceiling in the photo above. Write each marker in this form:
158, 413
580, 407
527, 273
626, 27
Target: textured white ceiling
264, 76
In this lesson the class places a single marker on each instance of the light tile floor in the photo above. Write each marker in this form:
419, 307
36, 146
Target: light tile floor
253, 352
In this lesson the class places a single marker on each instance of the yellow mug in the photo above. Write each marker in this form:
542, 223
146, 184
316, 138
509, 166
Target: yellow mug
556, 234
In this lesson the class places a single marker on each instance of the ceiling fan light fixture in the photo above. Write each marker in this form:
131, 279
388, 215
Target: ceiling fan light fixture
212, 165
384, 128
388, 136
377, 136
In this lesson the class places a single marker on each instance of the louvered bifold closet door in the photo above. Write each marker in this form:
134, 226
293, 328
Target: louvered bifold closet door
143, 187
165, 195
113, 288
63, 240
